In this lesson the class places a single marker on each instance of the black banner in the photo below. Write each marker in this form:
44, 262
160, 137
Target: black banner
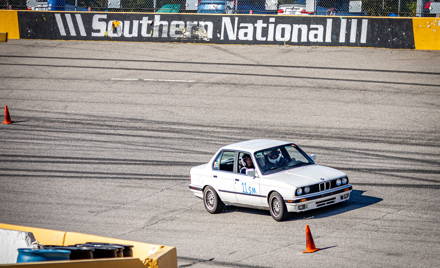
222, 29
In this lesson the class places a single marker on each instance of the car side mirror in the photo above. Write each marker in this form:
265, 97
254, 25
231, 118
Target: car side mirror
313, 156
250, 172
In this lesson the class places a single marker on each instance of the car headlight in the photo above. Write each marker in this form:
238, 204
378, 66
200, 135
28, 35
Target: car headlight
338, 182
306, 189
299, 191
344, 180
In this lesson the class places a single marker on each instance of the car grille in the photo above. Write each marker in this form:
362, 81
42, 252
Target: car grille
323, 186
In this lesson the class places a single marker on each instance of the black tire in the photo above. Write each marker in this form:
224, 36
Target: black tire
277, 207
212, 202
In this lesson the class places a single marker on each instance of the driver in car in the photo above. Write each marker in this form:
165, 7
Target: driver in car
247, 164
275, 159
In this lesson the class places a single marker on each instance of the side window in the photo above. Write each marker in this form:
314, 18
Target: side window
216, 164
224, 161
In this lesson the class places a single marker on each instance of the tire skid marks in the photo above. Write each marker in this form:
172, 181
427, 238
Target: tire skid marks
214, 73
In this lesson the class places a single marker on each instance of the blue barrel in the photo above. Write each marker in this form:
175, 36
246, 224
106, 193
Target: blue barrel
56, 4
36, 255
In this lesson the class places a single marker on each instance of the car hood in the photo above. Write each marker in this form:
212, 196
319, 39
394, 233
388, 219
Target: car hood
306, 175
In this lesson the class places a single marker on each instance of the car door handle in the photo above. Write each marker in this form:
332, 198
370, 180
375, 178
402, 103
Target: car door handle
237, 180
215, 176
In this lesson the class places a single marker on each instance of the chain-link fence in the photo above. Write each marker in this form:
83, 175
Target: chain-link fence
286, 7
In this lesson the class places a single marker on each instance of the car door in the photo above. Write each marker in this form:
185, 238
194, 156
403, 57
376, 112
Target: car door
223, 176
247, 187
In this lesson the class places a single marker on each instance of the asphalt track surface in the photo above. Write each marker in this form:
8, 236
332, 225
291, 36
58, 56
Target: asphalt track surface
105, 134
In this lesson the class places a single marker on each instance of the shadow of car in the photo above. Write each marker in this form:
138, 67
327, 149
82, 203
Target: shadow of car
358, 200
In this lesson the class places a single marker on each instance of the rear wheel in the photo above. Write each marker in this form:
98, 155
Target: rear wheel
212, 201
278, 209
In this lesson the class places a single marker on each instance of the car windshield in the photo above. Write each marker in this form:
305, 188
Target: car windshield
281, 158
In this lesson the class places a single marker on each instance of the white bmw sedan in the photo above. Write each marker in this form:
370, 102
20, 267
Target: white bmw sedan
267, 174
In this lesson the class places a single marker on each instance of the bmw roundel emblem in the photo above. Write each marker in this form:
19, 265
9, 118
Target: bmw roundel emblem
322, 179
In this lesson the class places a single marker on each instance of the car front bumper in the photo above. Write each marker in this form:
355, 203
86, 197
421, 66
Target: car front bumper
328, 199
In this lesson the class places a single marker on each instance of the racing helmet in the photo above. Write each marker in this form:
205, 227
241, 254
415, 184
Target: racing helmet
274, 157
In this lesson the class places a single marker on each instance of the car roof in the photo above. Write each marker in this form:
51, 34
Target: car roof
252, 146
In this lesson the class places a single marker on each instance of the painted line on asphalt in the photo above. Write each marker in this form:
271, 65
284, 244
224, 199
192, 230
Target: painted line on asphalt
169, 80
152, 80
124, 79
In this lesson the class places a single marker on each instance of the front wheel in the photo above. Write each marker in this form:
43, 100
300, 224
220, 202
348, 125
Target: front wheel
278, 209
212, 201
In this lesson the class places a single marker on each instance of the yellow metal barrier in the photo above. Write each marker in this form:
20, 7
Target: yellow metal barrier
147, 255
43, 236
9, 23
3, 37
427, 33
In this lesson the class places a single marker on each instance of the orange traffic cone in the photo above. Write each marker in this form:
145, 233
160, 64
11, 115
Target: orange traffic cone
310, 245
7, 120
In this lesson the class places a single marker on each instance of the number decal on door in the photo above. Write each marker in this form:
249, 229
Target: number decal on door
248, 189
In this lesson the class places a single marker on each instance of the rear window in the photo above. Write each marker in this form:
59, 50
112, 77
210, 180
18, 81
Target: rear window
224, 161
